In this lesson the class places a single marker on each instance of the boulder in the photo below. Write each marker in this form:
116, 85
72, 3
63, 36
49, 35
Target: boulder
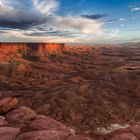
21, 115
3, 121
44, 135
8, 133
7, 104
78, 137
46, 123
123, 136
136, 130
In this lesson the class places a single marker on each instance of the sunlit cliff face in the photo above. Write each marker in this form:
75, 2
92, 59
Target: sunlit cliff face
39, 49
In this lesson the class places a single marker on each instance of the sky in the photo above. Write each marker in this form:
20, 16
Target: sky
70, 21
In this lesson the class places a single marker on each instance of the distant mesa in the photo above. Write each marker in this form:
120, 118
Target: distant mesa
32, 50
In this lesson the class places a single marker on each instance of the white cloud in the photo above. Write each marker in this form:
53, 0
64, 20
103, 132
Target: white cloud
121, 19
83, 25
40, 16
46, 7
135, 9
43, 24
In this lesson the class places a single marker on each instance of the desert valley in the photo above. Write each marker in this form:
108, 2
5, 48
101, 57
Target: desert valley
79, 92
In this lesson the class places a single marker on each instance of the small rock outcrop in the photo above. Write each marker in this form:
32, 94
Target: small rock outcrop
136, 130
25, 124
44, 135
29, 50
3, 121
46, 123
21, 115
8, 133
84, 88
7, 104
22, 123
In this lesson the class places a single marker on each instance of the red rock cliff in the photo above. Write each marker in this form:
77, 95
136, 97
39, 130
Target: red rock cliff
33, 49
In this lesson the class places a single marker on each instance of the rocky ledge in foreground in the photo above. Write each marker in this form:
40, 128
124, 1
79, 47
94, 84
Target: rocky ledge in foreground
22, 123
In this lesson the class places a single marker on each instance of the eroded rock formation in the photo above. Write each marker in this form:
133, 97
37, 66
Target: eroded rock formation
84, 88
33, 50
23, 123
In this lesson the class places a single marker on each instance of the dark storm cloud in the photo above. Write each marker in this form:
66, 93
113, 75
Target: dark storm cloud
94, 16
19, 24
19, 19
25, 14
35, 19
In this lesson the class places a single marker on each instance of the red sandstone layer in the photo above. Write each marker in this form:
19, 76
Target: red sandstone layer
38, 49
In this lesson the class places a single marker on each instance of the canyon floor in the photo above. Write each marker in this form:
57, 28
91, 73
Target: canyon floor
87, 88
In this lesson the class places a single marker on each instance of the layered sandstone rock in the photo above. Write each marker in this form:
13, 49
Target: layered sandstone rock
40, 127
7, 104
3, 121
8, 48
46, 123
21, 115
43, 135
34, 127
82, 88
46, 49
8, 133
32, 49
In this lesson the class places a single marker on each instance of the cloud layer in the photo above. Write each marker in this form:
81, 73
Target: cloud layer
135, 9
24, 14
38, 18
41, 21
